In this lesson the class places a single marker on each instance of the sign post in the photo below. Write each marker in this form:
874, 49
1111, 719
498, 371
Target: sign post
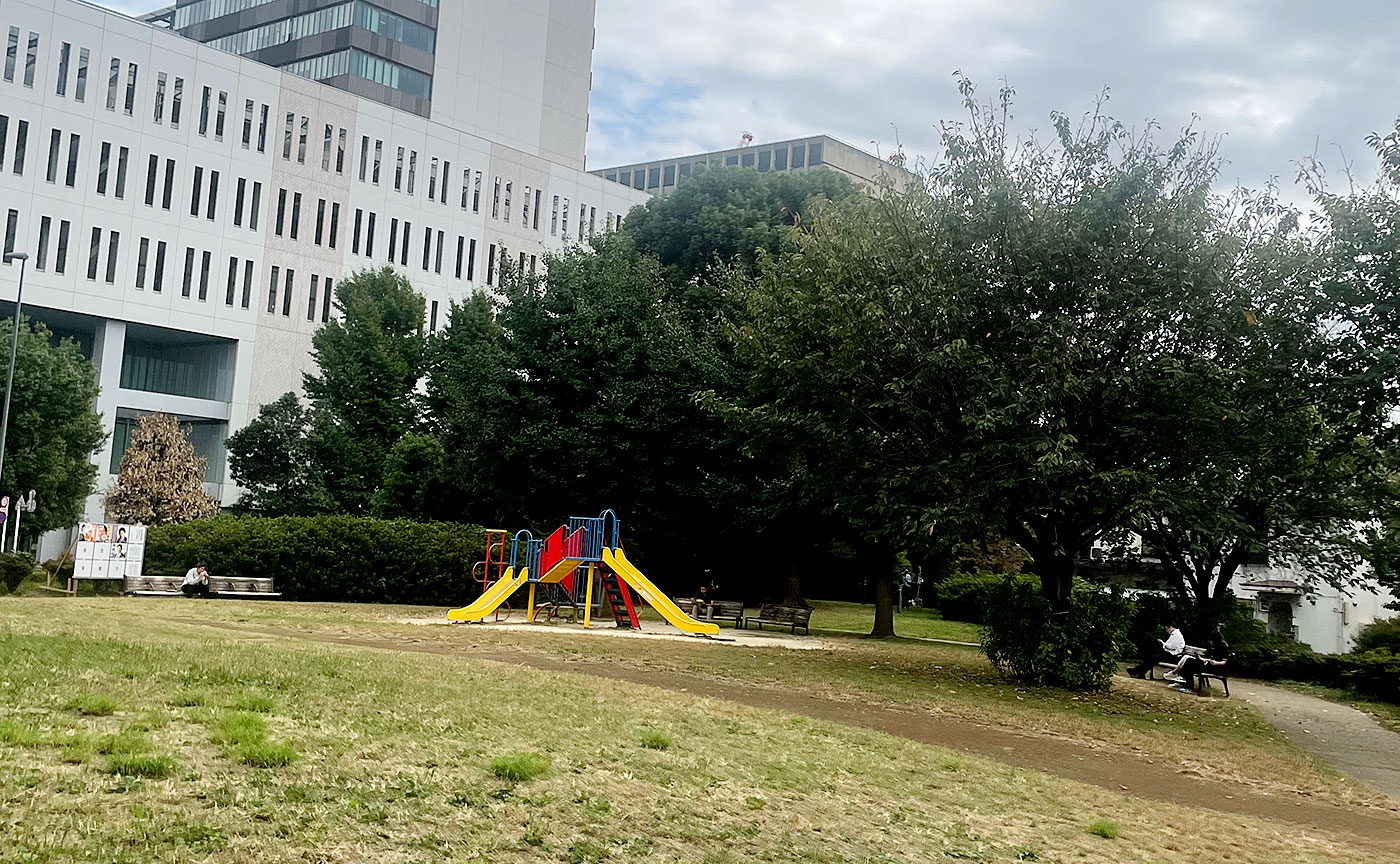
22, 506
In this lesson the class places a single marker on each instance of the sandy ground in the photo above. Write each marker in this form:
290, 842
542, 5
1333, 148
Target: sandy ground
742, 638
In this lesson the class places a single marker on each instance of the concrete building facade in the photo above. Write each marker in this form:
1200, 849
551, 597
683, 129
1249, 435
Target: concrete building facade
188, 212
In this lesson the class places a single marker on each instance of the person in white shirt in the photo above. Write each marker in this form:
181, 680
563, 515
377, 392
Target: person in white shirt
196, 582
1170, 651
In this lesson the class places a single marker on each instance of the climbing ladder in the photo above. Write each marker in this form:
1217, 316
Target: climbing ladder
619, 601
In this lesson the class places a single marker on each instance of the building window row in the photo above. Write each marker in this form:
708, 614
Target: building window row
208, 10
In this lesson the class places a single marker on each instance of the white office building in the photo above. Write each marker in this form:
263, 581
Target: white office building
188, 211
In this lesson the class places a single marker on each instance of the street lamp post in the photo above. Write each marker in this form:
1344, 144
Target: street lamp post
22, 258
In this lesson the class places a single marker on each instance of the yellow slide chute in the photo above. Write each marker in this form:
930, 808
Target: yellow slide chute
617, 561
493, 597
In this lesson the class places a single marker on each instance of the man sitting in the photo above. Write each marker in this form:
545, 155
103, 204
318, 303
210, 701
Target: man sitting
1170, 651
1217, 654
196, 582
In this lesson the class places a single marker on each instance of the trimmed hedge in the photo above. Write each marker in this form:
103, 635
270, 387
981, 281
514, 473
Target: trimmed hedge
1374, 674
328, 558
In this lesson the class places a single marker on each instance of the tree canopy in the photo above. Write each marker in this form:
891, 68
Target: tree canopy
161, 477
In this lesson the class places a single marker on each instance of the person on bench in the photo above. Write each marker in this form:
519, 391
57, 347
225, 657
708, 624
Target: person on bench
1217, 654
1170, 651
700, 605
196, 582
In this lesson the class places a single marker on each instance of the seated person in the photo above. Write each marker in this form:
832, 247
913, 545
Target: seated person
1217, 654
196, 582
700, 605
1169, 651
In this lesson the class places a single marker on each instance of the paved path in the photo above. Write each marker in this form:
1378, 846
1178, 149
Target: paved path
1339, 734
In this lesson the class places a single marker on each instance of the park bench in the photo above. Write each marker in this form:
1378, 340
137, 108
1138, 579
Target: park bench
1218, 673
781, 616
219, 586
717, 610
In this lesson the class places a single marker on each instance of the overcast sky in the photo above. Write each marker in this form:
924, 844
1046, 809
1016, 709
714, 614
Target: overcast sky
1278, 78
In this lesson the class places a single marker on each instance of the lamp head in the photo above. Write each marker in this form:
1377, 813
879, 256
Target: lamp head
16, 256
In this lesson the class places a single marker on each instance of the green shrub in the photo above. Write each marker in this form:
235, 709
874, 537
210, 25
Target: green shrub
328, 558
519, 767
1105, 829
1078, 649
967, 596
14, 569
1379, 636
653, 739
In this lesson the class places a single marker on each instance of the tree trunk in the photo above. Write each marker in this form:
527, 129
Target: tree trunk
884, 607
792, 591
1056, 579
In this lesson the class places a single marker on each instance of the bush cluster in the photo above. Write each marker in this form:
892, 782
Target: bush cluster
328, 558
1078, 649
14, 569
968, 596
1374, 674
1379, 636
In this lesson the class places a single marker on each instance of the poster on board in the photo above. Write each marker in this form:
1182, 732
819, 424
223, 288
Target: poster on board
107, 550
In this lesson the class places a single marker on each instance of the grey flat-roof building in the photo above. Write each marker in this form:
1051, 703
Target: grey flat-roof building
660, 177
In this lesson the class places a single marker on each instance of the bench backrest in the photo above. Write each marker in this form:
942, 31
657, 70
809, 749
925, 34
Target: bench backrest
728, 608
216, 584
774, 612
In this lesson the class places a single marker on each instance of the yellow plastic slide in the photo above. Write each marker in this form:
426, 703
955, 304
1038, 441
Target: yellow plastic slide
493, 597
616, 559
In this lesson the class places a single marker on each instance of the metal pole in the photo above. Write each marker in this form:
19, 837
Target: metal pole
14, 544
23, 258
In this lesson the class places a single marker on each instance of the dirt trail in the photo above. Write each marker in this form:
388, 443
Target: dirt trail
1071, 760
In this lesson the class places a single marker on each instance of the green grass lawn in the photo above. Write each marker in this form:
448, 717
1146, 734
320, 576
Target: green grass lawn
912, 623
127, 735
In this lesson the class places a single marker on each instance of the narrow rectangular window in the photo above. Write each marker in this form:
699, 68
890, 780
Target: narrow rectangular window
525, 209
398, 172
129, 106
369, 236
11, 232
159, 278
407, 227
412, 168
281, 212
432, 180
581, 213
94, 252
204, 276
197, 190
432, 318
113, 80
169, 191
159, 109
335, 225
177, 97
80, 88
21, 142
231, 290
554, 218
287, 129
378, 157
490, 263
152, 169
340, 151
311, 298
70, 178
355, 232
564, 219
31, 59
326, 149
60, 257
103, 159
496, 200
296, 215
247, 123
143, 252
4, 132
123, 154
55, 145
287, 293
213, 195
189, 272
326, 301
437, 260
272, 291
65, 51
219, 117
247, 283
42, 257
320, 221
446, 176
204, 98
262, 130
301, 141
466, 188
592, 220
427, 248
536, 225
255, 207
476, 194
238, 202
112, 240
461, 247
471, 260
364, 157
11, 53
393, 238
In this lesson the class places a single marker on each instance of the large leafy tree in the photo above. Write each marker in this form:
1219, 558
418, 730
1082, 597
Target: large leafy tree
271, 459
161, 477
997, 349
363, 394
53, 431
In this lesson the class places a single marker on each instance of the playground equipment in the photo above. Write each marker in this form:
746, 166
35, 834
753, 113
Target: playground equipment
589, 544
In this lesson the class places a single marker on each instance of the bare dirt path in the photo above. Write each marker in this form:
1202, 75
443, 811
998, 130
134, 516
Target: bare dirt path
1068, 759
1339, 734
